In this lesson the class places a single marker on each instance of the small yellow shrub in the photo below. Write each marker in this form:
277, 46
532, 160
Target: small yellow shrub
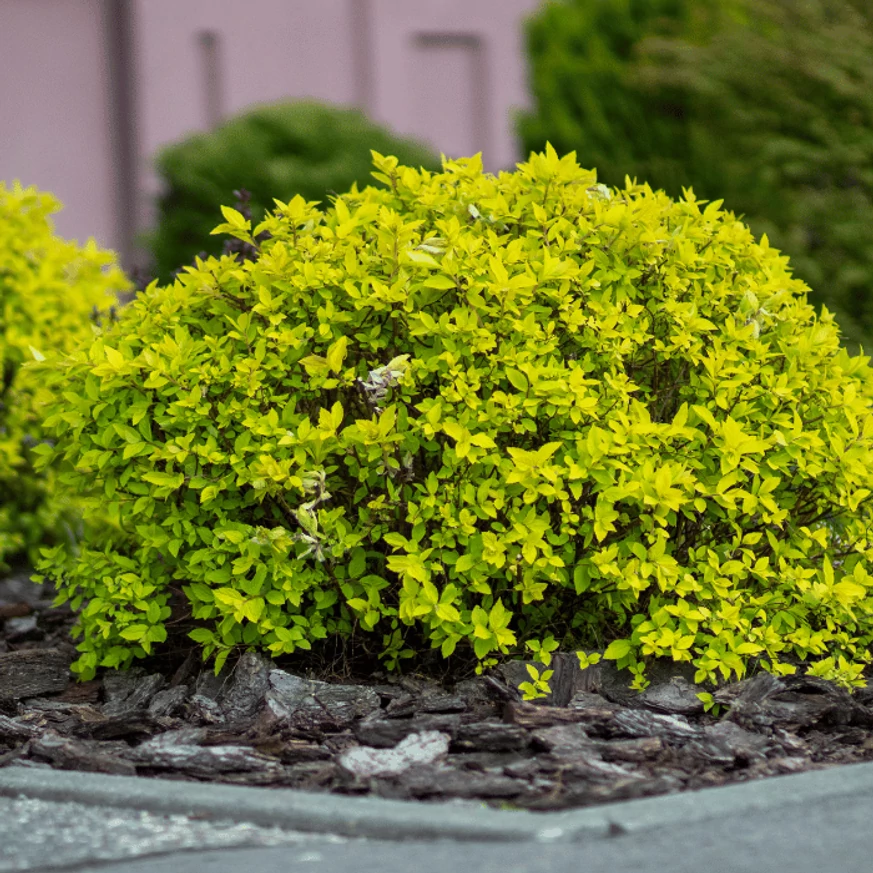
50, 292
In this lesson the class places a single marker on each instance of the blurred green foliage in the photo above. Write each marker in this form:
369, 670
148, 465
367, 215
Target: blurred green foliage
588, 99
766, 104
274, 151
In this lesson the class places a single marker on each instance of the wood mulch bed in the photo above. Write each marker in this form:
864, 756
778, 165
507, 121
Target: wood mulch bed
593, 741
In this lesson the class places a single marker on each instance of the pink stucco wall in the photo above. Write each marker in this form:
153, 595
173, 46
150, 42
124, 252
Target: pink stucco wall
265, 50
449, 72
54, 110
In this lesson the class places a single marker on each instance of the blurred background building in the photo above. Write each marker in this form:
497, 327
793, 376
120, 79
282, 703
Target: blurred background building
140, 114
90, 90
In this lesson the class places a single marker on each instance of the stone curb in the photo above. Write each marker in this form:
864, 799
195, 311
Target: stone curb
378, 818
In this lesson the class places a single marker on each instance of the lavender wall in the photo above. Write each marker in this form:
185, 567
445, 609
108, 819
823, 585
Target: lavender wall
54, 108
451, 72
446, 71
201, 60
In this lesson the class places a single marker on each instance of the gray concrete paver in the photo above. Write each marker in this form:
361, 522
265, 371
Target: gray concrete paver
40, 835
831, 836
377, 818
83, 822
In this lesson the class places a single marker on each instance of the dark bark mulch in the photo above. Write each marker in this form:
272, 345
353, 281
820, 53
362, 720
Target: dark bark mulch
593, 741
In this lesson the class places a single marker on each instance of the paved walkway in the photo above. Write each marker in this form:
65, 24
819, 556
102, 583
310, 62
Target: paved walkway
54, 820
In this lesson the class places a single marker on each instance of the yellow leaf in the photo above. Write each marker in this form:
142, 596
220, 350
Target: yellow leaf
462, 447
342, 211
336, 354
233, 217
848, 591
447, 613
545, 452
517, 379
115, 358
483, 441
421, 258
439, 282
456, 431
315, 365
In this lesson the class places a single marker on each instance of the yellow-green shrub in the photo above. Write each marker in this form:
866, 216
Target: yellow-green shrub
483, 413
49, 291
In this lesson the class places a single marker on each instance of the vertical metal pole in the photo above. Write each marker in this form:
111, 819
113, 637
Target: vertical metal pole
213, 86
118, 39
363, 57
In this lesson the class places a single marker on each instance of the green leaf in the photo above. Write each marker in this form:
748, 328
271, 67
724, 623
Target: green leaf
253, 609
357, 564
168, 480
156, 634
482, 647
220, 658
202, 592
465, 563
617, 649
517, 379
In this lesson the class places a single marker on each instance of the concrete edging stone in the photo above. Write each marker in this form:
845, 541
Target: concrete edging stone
378, 818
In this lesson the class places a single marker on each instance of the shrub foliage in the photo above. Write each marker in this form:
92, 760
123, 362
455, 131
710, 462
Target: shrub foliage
50, 291
275, 150
765, 104
484, 415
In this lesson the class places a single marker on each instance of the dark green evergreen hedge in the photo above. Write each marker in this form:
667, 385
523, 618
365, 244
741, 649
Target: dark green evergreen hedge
274, 151
766, 104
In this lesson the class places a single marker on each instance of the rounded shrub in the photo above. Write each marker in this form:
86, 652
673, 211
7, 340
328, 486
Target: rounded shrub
51, 291
485, 415
275, 150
